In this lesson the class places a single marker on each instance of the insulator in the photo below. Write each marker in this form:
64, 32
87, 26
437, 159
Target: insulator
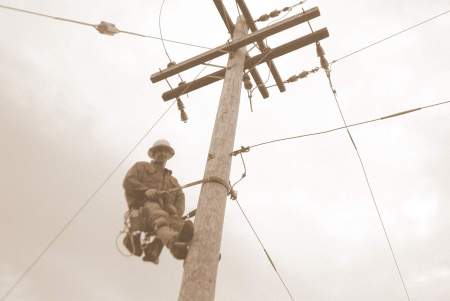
171, 64
263, 18
182, 83
183, 116
292, 79
275, 13
319, 50
315, 70
324, 63
107, 28
247, 82
287, 8
303, 74
180, 104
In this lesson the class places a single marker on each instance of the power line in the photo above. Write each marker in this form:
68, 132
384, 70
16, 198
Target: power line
162, 40
348, 126
369, 186
85, 204
95, 26
160, 30
391, 36
326, 66
265, 251
376, 42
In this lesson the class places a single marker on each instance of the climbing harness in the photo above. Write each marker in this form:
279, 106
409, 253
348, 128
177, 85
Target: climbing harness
133, 224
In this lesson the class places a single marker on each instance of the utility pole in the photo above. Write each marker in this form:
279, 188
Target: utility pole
200, 268
201, 264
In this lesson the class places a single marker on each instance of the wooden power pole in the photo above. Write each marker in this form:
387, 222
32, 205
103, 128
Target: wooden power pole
200, 268
201, 265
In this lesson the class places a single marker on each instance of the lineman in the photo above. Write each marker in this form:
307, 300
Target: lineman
154, 211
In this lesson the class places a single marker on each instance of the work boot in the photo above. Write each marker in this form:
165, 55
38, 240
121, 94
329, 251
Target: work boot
186, 233
179, 247
133, 243
179, 250
153, 250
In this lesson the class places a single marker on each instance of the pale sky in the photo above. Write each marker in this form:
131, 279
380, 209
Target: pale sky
74, 102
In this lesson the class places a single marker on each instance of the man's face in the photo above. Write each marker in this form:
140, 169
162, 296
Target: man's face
161, 155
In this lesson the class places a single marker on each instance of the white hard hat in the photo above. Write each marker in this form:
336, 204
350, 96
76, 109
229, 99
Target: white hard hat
160, 144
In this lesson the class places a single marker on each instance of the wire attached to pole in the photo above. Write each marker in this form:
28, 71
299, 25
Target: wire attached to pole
272, 263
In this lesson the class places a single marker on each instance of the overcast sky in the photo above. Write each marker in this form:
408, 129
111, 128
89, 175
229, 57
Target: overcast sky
74, 102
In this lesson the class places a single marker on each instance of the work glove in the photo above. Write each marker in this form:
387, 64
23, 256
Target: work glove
151, 193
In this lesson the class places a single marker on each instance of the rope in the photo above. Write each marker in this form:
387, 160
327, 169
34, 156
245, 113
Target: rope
210, 179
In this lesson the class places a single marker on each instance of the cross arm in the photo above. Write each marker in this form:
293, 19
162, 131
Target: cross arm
249, 63
236, 44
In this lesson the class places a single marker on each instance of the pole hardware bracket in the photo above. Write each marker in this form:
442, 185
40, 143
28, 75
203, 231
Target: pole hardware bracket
243, 149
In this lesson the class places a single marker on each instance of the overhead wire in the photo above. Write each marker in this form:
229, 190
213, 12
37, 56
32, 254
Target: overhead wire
391, 36
199, 46
326, 67
269, 258
162, 40
409, 28
343, 127
95, 26
375, 203
272, 263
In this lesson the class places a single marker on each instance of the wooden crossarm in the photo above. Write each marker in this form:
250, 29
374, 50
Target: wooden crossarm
252, 62
236, 44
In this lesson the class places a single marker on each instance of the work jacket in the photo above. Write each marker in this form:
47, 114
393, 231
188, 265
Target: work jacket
143, 176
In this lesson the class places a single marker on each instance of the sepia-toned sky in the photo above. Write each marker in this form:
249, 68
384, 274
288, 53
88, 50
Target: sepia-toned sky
74, 102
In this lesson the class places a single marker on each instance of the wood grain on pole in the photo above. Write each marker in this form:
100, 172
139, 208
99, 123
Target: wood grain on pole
200, 268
